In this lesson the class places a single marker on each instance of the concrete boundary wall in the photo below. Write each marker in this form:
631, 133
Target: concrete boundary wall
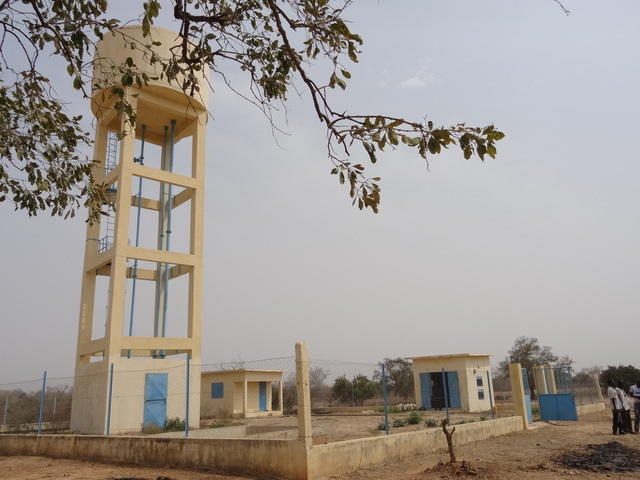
590, 408
283, 458
343, 457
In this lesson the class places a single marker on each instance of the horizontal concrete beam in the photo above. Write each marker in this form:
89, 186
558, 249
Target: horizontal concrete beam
162, 176
160, 256
91, 347
156, 343
182, 197
146, 203
99, 260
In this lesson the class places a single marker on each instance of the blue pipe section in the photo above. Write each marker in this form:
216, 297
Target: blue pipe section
172, 141
139, 160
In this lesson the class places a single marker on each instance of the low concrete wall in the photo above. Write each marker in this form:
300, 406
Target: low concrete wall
590, 408
343, 457
284, 458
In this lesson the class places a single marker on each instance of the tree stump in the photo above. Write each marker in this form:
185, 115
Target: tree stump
449, 435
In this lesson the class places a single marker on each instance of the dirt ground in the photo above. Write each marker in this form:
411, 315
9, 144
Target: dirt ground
523, 455
326, 428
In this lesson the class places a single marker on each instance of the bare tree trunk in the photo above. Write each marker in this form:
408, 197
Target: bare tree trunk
449, 435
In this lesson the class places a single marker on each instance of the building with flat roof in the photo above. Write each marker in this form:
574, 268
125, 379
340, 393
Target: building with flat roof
458, 381
240, 393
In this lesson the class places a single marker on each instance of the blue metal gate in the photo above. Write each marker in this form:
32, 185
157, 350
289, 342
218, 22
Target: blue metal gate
559, 406
155, 399
555, 394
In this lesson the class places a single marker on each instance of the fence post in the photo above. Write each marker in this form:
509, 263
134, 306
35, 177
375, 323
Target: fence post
42, 393
304, 395
517, 393
186, 403
107, 427
446, 396
385, 397
6, 409
493, 413
598, 389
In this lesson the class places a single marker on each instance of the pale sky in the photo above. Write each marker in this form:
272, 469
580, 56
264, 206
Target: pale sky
466, 257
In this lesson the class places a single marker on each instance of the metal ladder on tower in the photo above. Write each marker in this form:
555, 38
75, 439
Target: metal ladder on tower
106, 241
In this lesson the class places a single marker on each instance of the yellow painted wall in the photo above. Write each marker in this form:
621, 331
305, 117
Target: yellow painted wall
127, 398
89, 398
232, 403
465, 366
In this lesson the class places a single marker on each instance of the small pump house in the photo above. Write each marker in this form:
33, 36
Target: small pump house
240, 393
460, 381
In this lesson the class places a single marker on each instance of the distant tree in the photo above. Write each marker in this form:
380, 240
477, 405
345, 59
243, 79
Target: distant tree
355, 391
564, 361
342, 390
586, 377
319, 390
289, 394
399, 377
23, 407
627, 374
317, 378
528, 352
363, 389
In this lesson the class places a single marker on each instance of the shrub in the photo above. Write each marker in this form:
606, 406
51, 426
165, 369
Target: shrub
414, 418
174, 425
482, 419
430, 422
381, 426
399, 422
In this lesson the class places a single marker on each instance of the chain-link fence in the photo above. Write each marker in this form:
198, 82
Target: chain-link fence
259, 398
584, 387
357, 399
254, 398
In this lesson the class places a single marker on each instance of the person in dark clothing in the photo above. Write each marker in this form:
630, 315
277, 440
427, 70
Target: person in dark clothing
626, 408
616, 408
635, 393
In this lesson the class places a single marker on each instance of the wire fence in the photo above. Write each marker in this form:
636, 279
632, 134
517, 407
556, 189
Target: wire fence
584, 388
171, 396
259, 398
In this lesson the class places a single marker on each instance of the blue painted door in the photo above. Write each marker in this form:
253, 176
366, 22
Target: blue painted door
425, 390
453, 388
155, 399
561, 406
262, 396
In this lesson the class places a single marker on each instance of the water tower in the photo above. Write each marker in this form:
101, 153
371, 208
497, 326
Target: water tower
123, 381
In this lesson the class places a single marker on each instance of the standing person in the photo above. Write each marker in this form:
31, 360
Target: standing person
635, 393
616, 407
626, 408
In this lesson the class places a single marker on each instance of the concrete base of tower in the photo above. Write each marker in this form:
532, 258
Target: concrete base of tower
145, 393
